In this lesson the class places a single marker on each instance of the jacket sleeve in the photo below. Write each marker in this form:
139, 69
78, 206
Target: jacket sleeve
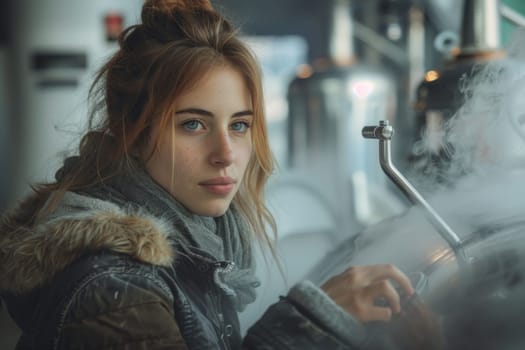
306, 319
123, 312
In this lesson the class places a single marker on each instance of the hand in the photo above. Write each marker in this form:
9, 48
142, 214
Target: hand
357, 289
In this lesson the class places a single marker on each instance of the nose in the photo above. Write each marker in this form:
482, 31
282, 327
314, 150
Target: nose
221, 154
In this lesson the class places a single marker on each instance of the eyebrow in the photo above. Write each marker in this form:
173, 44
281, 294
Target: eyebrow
206, 113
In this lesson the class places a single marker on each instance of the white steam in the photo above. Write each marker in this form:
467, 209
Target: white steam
487, 133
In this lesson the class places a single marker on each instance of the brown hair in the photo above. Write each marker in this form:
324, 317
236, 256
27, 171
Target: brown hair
177, 42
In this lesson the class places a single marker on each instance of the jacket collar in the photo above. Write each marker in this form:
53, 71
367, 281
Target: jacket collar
31, 254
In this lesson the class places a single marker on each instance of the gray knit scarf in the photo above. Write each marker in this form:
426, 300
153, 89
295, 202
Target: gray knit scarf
223, 238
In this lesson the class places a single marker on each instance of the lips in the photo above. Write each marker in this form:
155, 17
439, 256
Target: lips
219, 185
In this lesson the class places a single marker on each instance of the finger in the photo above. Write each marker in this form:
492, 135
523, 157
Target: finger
405, 283
380, 272
386, 290
376, 313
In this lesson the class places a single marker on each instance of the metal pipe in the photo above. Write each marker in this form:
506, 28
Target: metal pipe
480, 29
512, 15
341, 43
379, 43
384, 133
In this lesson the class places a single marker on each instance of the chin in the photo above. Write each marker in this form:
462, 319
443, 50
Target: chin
212, 210
215, 213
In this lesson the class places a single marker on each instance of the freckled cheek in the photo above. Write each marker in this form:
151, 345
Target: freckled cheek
186, 161
245, 153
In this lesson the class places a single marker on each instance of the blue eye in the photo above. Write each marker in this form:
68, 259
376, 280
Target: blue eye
192, 125
240, 126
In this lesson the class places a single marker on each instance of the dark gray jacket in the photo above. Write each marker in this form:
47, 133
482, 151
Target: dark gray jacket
101, 277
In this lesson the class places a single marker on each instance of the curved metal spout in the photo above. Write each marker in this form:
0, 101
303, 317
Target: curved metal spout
384, 133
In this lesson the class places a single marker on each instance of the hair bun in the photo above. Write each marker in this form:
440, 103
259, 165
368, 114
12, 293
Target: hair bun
162, 17
169, 6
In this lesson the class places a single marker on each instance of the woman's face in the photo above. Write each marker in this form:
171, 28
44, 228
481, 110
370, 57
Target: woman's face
203, 155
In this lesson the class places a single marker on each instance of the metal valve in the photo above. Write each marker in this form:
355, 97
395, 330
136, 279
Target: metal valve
382, 132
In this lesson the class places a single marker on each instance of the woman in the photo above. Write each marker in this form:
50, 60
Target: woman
144, 240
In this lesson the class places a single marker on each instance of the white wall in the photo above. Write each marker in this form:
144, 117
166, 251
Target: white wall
53, 118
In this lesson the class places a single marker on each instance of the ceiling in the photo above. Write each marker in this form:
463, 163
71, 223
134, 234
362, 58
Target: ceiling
309, 18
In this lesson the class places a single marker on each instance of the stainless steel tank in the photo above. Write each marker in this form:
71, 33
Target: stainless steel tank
327, 109
467, 270
473, 305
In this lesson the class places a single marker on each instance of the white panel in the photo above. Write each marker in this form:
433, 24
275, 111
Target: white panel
53, 118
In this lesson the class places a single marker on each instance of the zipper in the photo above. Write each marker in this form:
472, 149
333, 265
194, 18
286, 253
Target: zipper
223, 267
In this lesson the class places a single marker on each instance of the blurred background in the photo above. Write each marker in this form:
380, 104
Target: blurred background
330, 68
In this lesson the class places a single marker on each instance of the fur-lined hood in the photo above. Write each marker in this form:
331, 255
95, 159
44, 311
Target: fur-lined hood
31, 254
